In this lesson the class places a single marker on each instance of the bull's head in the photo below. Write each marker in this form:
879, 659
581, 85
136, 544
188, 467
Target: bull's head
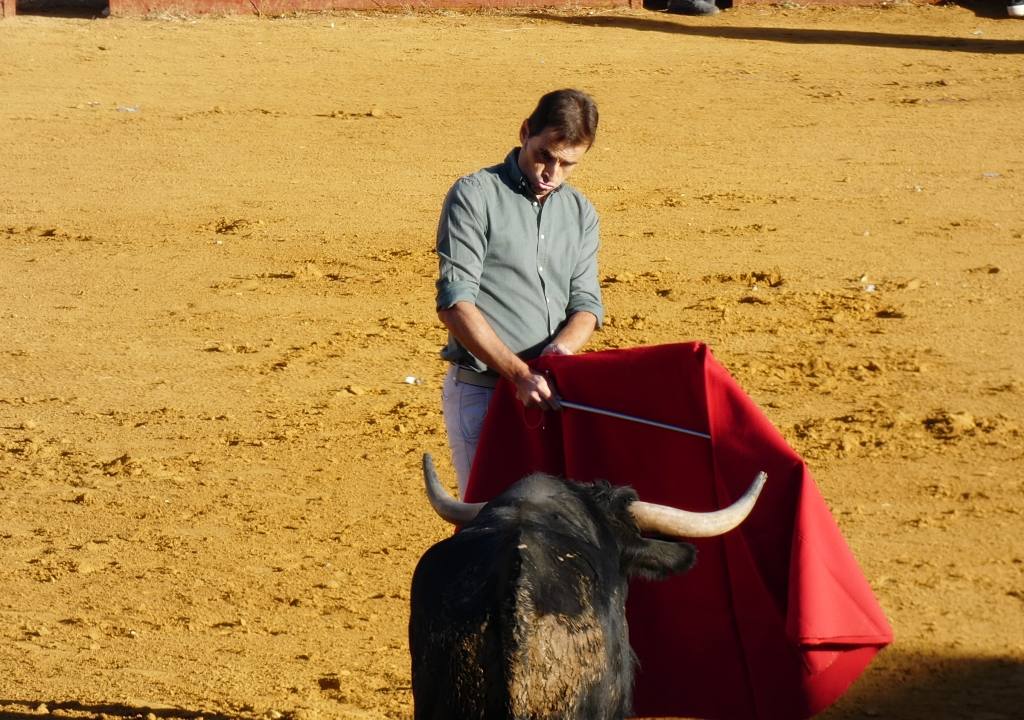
649, 517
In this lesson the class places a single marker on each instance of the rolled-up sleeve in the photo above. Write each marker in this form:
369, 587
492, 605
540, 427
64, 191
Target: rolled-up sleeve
461, 244
584, 288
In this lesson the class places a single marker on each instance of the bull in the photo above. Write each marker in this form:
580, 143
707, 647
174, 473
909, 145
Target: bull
520, 615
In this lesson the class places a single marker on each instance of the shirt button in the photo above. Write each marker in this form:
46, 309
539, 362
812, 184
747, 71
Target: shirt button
540, 269
542, 236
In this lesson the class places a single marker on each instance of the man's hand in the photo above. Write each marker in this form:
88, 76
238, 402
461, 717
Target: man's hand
573, 335
469, 326
555, 348
533, 391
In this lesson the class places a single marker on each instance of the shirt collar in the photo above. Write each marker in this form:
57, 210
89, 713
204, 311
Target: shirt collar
516, 177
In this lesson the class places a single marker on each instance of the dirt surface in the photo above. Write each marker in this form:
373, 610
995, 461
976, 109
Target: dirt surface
216, 277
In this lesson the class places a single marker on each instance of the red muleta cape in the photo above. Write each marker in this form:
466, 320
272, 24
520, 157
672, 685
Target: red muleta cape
776, 619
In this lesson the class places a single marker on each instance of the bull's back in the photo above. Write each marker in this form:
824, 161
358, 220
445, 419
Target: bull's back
454, 641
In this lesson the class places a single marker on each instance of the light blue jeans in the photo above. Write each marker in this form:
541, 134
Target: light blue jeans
464, 407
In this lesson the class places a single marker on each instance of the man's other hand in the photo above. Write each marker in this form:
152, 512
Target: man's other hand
555, 349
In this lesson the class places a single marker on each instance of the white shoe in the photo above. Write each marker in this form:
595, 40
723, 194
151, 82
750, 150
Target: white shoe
1015, 8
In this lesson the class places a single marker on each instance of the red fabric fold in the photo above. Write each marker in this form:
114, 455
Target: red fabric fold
776, 619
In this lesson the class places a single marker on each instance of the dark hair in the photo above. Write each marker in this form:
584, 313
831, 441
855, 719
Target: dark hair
572, 114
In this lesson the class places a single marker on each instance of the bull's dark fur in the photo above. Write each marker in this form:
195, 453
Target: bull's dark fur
521, 614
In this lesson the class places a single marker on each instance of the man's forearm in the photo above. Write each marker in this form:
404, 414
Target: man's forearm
472, 330
575, 333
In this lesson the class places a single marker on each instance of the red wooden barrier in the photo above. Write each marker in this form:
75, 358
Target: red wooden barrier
277, 7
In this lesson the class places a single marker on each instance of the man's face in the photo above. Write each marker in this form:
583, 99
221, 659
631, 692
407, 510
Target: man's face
546, 161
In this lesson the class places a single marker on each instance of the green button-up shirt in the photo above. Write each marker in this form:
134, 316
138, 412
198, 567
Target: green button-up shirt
527, 266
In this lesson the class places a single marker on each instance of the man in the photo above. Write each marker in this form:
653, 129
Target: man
692, 7
517, 274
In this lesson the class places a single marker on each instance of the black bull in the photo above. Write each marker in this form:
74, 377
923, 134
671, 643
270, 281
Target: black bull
521, 614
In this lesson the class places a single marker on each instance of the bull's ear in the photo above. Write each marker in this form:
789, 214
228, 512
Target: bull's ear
658, 559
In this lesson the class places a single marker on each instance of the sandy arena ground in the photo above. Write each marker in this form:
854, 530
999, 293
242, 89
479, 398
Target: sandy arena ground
216, 272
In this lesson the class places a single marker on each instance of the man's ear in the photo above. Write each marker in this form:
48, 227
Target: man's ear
524, 132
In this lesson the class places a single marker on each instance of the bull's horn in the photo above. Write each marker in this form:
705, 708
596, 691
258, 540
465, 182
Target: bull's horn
673, 522
450, 509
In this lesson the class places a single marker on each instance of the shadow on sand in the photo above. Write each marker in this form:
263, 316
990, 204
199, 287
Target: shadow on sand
907, 686
658, 22
897, 686
31, 710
